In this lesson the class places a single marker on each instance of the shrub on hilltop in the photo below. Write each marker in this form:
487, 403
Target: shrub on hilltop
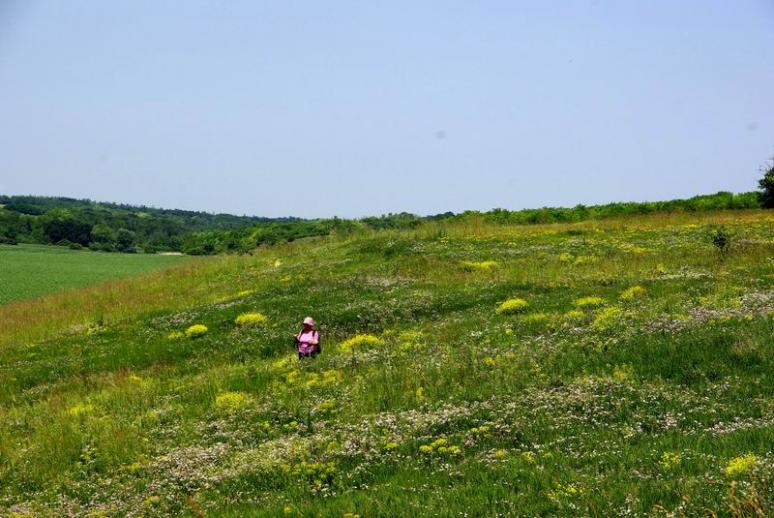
767, 188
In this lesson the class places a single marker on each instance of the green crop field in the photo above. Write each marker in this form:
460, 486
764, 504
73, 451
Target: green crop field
28, 271
605, 368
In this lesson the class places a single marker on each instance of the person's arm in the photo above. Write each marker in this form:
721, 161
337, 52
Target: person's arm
315, 339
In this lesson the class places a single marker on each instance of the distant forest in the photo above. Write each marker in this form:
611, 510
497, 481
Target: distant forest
111, 227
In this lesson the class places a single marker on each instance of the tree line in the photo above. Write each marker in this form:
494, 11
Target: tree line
114, 227
109, 227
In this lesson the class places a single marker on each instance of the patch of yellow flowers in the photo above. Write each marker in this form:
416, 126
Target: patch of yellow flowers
251, 319
635, 292
440, 446
314, 379
741, 464
512, 306
319, 472
669, 460
359, 342
231, 402
480, 266
410, 340
480, 431
196, 331
326, 406
589, 302
607, 317
80, 409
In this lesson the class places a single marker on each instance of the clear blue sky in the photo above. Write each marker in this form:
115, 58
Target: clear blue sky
361, 108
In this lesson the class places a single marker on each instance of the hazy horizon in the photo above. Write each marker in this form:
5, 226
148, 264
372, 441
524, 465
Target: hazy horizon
290, 109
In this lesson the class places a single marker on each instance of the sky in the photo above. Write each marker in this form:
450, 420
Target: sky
352, 108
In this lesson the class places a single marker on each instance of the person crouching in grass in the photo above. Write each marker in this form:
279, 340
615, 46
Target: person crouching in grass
308, 340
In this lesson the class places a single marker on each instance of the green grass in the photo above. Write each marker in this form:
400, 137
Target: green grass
28, 271
635, 404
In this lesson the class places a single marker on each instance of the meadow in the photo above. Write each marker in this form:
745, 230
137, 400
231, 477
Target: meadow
28, 270
601, 368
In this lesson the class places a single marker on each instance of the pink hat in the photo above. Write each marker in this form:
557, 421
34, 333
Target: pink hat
309, 321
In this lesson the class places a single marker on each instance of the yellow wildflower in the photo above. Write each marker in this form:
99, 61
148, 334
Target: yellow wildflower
326, 406
528, 457
741, 464
566, 257
585, 259
669, 460
251, 319
534, 318
607, 317
196, 331
331, 377
152, 500
587, 302
512, 306
622, 372
480, 266
80, 409
438, 443
634, 292
230, 402
574, 314
359, 342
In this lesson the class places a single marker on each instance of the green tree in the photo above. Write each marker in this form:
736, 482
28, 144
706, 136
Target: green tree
125, 241
101, 233
68, 230
767, 187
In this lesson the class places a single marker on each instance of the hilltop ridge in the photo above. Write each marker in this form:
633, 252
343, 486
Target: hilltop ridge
127, 228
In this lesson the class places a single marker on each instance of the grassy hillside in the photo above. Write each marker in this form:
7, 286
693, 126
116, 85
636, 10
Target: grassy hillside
33, 270
630, 374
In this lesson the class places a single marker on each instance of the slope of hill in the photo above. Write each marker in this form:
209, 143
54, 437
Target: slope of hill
616, 367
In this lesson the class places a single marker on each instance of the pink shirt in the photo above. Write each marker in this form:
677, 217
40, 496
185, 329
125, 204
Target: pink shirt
303, 341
